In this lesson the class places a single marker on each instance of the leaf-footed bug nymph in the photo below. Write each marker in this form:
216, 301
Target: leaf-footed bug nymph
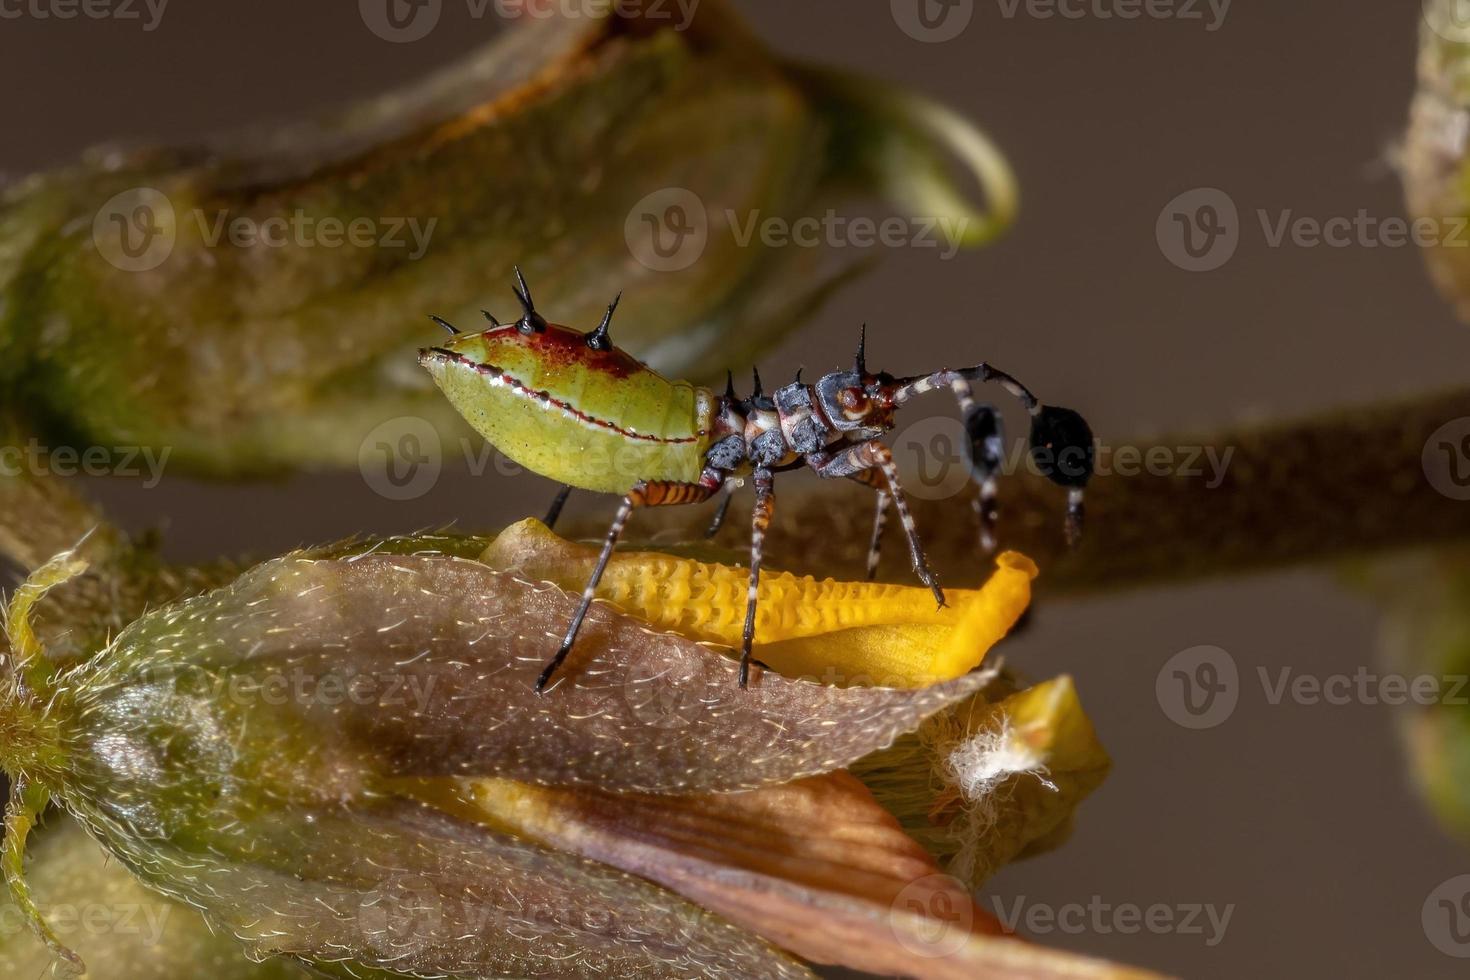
576, 409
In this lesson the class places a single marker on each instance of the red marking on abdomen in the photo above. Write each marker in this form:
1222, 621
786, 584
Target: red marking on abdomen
561, 346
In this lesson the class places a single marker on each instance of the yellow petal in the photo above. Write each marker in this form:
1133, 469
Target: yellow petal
842, 633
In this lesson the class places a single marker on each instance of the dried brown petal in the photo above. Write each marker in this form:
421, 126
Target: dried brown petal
816, 866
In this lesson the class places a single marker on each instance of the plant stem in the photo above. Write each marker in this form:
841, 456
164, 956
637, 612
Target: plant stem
1319, 489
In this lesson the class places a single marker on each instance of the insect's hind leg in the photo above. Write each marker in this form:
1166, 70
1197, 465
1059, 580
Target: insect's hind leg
875, 480
553, 513
986, 432
760, 522
659, 493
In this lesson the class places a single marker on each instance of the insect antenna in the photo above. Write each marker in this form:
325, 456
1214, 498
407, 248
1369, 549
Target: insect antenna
445, 324
861, 364
598, 339
531, 322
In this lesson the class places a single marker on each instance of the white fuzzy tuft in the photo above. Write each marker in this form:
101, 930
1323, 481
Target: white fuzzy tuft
981, 767
980, 764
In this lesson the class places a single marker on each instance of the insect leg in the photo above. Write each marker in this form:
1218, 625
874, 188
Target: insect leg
656, 493
718, 521
760, 521
875, 544
1061, 440
875, 455
557, 503
875, 480
987, 454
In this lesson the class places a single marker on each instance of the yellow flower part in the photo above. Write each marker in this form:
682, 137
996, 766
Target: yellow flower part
842, 633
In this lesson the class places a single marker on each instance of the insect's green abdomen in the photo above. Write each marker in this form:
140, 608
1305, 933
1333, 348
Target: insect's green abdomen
598, 420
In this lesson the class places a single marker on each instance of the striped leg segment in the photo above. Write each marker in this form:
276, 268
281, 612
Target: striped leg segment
876, 481
644, 494
553, 513
760, 522
876, 456
987, 454
875, 544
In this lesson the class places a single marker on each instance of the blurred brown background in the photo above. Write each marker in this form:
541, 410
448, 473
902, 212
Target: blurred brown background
1299, 817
